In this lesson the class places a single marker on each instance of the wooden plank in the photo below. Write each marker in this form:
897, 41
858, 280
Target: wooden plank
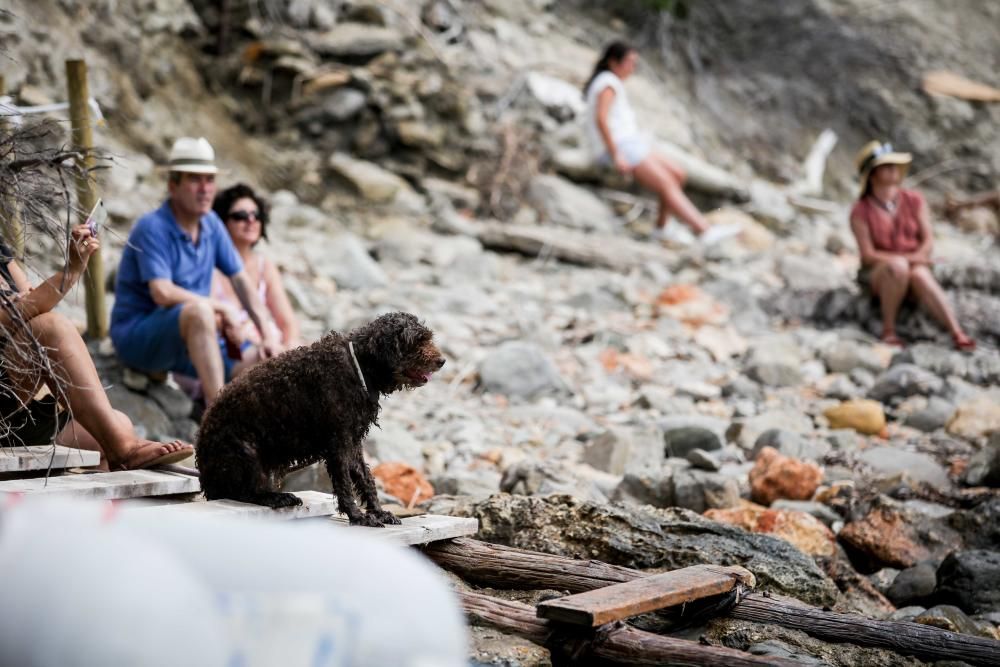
43, 457
421, 529
314, 504
106, 485
620, 601
618, 642
504, 567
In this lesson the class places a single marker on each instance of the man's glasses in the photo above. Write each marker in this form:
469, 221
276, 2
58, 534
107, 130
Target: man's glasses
245, 216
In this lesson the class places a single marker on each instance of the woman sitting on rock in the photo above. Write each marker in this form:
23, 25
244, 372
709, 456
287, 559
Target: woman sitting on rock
245, 217
614, 136
40, 348
893, 230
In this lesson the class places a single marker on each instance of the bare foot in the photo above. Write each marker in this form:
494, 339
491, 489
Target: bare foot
890, 338
147, 453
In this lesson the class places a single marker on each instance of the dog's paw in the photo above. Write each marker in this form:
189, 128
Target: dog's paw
386, 517
368, 520
279, 500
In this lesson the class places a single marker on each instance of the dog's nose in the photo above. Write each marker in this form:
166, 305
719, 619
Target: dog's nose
440, 362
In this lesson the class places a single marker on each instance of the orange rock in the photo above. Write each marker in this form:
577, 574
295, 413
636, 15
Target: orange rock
675, 294
892, 536
775, 476
404, 482
803, 531
863, 415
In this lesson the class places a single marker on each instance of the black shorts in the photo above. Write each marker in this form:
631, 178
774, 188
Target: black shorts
36, 423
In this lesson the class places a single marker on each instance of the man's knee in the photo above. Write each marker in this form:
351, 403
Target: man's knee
197, 318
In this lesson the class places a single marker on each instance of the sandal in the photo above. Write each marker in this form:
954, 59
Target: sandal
892, 339
963, 343
170, 457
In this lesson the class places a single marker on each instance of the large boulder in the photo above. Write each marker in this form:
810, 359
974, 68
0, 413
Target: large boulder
890, 461
904, 380
644, 537
970, 580
519, 369
562, 203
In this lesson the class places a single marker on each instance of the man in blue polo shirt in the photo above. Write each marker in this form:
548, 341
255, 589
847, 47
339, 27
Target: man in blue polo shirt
164, 318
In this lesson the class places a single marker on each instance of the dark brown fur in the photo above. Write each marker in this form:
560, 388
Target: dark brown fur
308, 405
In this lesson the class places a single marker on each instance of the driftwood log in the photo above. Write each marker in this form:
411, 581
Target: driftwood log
615, 642
501, 566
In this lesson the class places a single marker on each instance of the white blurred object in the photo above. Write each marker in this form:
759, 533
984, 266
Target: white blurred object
201, 591
13, 113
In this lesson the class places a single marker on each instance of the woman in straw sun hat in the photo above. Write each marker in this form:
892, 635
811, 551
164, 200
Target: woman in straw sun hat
893, 230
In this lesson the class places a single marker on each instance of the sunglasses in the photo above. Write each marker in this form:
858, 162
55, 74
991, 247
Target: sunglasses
245, 216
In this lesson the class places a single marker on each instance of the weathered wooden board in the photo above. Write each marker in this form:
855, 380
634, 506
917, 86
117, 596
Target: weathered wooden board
314, 504
106, 485
24, 459
422, 529
621, 601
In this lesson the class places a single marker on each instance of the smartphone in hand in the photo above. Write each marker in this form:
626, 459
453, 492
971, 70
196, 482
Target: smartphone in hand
97, 218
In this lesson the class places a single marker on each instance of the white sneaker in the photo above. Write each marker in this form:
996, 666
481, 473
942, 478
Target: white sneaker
675, 233
718, 233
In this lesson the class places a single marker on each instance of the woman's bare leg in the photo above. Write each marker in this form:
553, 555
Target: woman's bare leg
927, 289
652, 175
890, 280
73, 373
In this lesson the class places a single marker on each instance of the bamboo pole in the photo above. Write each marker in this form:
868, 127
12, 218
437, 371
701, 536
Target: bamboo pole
86, 196
501, 566
13, 227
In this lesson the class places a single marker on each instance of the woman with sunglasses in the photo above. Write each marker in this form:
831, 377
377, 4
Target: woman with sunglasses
244, 214
893, 230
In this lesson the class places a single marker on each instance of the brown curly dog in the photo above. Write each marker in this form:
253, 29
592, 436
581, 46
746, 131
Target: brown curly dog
309, 404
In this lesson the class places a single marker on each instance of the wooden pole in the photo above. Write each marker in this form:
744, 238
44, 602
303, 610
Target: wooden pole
500, 566
615, 642
13, 227
86, 196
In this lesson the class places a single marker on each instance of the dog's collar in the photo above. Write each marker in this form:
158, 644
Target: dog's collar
357, 366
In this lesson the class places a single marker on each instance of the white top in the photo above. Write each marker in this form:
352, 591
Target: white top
621, 118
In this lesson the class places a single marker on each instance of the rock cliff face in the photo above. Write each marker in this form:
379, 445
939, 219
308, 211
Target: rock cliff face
428, 157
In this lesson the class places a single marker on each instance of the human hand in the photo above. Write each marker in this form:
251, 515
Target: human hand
82, 244
621, 164
270, 346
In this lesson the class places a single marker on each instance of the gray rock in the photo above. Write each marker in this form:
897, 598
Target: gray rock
971, 580
743, 387
393, 442
478, 484
913, 585
174, 402
371, 181
774, 648
356, 39
702, 460
616, 449
791, 444
904, 380
845, 356
883, 579
982, 367
311, 478
863, 378
890, 461
341, 105
776, 362
948, 617
563, 203
842, 389
933, 416
680, 440
984, 466
818, 510
907, 613
652, 486
810, 274
845, 439
344, 259
746, 431
521, 370
644, 537
149, 419
535, 478
698, 490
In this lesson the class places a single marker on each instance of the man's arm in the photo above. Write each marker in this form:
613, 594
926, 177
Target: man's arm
251, 303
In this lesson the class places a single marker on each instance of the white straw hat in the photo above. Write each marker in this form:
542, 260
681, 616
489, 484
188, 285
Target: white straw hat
192, 156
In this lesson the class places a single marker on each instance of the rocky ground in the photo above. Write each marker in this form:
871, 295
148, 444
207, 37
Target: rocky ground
603, 397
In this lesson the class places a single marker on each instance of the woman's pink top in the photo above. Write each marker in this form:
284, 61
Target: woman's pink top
249, 330
900, 233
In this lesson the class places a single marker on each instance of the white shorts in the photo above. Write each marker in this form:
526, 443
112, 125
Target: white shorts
633, 149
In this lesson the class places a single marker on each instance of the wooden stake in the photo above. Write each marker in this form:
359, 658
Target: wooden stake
86, 196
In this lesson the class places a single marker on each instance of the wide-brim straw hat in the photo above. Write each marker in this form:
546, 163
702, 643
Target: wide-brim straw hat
192, 156
874, 154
